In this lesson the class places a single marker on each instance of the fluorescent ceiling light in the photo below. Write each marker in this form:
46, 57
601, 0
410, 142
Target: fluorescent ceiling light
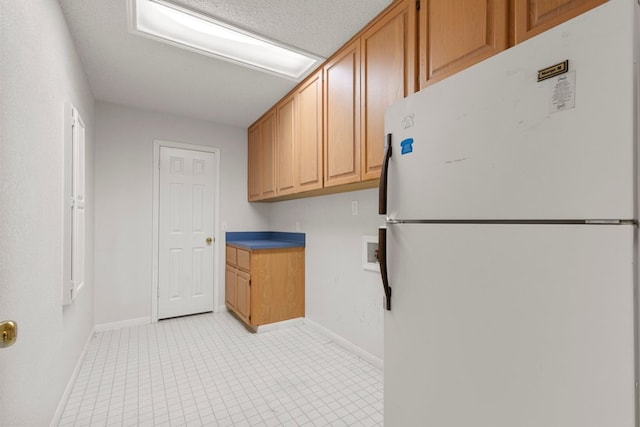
175, 25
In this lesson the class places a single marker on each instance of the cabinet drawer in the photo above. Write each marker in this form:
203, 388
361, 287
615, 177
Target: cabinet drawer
244, 259
231, 256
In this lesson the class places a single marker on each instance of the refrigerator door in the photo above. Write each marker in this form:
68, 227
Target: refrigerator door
492, 142
510, 325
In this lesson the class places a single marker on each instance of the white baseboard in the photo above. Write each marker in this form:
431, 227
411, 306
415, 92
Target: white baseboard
67, 391
342, 342
280, 325
220, 309
102, 327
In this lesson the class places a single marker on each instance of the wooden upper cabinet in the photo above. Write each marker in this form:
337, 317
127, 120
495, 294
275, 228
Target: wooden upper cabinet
329, 130
254, 168
268, 155
261, 158
455, 34
388, 74
535, 16
309, 134
342, 116
285, 142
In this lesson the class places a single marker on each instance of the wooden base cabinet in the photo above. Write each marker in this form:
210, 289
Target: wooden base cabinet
266, 285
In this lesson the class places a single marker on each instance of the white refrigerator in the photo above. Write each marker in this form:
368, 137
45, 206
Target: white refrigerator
509, 255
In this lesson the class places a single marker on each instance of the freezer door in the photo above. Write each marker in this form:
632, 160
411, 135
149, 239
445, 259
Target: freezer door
492, 142
507, 325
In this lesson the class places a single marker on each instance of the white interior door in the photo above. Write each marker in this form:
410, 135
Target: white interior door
510, 325
186, 225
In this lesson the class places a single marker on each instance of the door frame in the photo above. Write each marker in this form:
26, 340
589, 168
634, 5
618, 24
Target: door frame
157, 144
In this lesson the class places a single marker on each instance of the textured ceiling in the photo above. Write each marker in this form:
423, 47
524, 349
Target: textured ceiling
127, 69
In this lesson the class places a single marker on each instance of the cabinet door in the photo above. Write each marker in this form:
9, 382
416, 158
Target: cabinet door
268, 155
254, 167
309, 134
286, 142
230, 285
388, 74
262, 158
455, 34
243, 295
535, 16
342, 117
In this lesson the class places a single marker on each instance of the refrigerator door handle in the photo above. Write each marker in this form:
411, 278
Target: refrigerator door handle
382, 259
382, 191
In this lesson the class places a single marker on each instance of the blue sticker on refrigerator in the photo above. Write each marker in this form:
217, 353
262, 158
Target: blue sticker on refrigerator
407, 146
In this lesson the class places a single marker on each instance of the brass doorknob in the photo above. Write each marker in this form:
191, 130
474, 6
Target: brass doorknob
209, 240
8, 333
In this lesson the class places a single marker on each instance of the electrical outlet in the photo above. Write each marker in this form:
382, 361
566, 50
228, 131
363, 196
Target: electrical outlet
297, 225
354, 208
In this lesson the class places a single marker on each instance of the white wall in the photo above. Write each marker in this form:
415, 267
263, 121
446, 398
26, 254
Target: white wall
124, 177
39, 73
340, 295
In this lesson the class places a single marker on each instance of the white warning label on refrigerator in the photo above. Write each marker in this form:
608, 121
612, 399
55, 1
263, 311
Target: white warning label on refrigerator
563, 92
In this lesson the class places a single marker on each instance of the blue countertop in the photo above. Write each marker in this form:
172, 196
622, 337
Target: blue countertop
265, 239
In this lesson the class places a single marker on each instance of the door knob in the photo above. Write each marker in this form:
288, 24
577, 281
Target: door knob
8, 333
209, 240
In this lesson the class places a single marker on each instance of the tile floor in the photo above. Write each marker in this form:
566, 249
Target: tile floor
208, 370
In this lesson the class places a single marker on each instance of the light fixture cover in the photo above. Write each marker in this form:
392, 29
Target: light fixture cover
172, 24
